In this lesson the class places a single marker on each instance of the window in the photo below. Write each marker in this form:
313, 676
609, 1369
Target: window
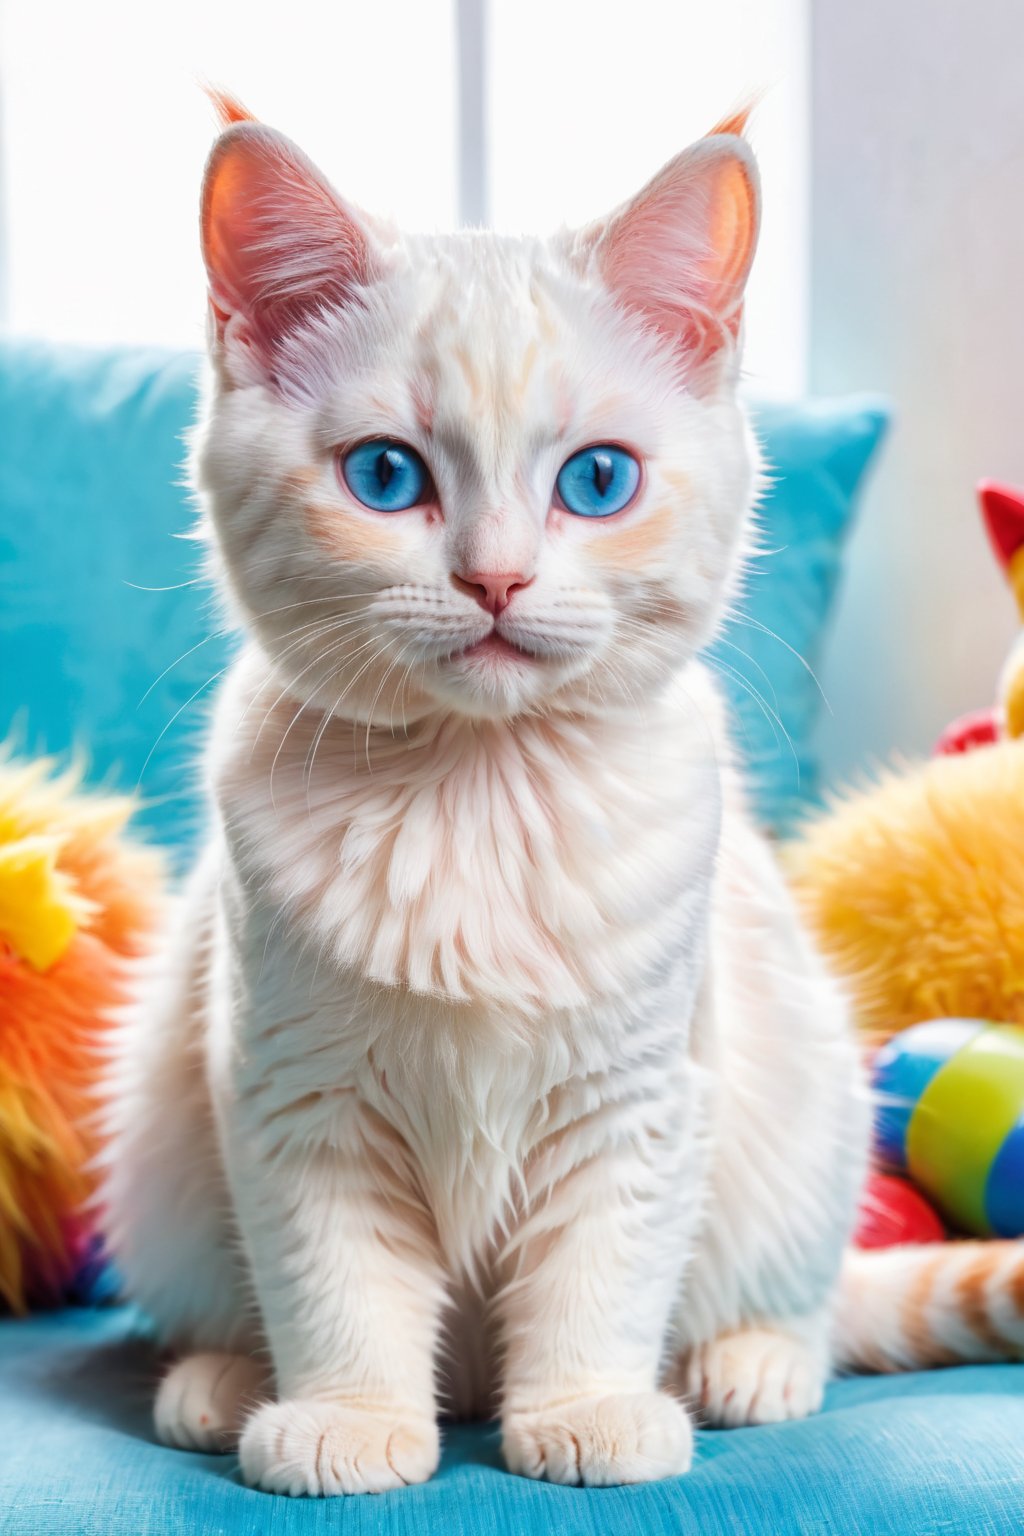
106, 131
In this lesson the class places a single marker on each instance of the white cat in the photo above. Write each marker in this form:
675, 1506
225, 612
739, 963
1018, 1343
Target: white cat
487, 1067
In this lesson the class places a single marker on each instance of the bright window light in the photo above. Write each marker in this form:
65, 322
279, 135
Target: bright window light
105, 135
106, 131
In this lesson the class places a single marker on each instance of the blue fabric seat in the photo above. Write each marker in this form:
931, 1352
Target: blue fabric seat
935, 1454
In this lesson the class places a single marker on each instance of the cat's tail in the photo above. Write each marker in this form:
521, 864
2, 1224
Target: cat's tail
909, 1308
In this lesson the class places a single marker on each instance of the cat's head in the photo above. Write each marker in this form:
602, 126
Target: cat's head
472, 472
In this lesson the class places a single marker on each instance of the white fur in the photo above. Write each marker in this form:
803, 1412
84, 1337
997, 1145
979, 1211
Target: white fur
487, 1065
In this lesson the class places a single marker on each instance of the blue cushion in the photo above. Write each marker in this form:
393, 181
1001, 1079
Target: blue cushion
106, 650
889, 1456
816, 453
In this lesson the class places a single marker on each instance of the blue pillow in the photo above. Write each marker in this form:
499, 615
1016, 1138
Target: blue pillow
816, 453
111, 647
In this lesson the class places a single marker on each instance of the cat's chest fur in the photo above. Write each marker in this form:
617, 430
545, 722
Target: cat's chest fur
534, 866
482, 934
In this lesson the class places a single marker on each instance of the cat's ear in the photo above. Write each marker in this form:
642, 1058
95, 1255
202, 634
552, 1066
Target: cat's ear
679, 253
279, 245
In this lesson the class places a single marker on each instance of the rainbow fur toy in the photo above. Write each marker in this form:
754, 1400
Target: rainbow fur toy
76, 904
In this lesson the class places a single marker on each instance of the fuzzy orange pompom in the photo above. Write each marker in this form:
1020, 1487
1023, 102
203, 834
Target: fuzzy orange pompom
915, 890
77, 904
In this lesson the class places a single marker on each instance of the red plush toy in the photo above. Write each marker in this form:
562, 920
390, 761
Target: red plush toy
1002, 509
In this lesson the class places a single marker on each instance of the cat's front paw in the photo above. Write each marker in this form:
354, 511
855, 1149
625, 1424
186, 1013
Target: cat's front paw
755, 1376
202, 1402
314, 1447
600, 1441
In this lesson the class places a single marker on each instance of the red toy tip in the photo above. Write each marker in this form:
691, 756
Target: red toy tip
978, 729
1003, 510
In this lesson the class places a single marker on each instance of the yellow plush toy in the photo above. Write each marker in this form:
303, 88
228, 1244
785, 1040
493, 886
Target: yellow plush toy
914, 887
915, 890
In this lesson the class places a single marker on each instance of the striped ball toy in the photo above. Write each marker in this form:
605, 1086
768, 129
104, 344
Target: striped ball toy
950, 1113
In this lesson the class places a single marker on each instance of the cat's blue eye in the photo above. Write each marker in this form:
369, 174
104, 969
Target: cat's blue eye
385, 475
598, 481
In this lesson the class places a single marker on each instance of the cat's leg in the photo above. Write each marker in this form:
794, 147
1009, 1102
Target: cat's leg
351, 1295
789, 1142
204, 1399
166, 1205
591, 1278
757, 1375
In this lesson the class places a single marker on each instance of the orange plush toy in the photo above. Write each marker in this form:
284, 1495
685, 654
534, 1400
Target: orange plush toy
77, 903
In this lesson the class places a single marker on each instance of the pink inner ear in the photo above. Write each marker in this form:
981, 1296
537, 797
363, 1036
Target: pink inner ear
278, 242
680, 252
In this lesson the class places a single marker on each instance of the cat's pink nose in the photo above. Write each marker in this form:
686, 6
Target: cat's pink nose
493, 590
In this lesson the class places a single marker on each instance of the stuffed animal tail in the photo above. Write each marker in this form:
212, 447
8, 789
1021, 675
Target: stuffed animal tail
911, 1308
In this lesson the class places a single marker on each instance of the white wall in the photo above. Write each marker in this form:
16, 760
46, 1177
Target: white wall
917, 192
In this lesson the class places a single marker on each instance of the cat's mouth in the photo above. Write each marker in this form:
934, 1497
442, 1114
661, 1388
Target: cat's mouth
497, 647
